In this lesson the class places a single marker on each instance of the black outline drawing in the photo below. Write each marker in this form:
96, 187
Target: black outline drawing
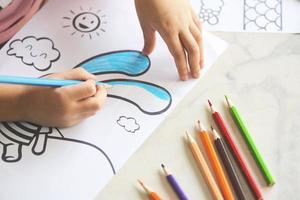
130, 80
31, 133
32, 64
210, 15
124, 125
74, 16
134, 103
252, 8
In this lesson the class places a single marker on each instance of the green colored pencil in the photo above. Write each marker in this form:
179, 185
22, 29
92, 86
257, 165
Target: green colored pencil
251, 145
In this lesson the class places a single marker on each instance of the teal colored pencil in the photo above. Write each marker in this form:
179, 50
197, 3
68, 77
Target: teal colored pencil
45, 82
251, 145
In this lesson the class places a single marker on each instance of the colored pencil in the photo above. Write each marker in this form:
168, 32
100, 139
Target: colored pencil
215, 163
236, 153
152, 195
250, 142
174, 184
233, 177
45, 82
204, 169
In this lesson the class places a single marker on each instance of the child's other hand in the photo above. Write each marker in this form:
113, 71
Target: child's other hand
180, 28
63, 106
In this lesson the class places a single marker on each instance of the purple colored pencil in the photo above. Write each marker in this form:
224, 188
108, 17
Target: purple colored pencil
174, 184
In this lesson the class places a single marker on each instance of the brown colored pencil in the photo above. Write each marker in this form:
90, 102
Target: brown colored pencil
234, 179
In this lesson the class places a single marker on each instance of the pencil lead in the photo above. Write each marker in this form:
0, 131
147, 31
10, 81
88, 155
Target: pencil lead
164, 169
228, 101
214, 133
187, 136
211, 106
143, 186
140, 182
209, 103
200, 126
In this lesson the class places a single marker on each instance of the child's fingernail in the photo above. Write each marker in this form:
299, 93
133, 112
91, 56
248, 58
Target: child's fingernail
196, 74
201, 64
184, 77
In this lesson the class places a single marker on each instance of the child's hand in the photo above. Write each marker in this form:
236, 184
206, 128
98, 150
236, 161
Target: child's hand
180, 28
63, 106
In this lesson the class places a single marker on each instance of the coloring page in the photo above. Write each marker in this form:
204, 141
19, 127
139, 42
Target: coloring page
249, 15
104, 38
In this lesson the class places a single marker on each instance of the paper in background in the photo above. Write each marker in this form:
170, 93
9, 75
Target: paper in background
249, 15
75, 163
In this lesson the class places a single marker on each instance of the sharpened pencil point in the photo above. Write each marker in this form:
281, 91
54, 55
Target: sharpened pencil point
200, 126
211, 106
164, 169
227, 100
143, 186
214, 133
209, 103
187, 137
140, 182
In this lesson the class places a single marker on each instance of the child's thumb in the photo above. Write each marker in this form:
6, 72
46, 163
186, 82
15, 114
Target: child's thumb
149, 41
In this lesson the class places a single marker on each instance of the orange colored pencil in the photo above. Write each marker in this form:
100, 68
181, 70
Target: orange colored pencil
205, 171
215, 163
152, 195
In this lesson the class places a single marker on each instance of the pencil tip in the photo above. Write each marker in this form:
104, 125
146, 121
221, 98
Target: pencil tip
209, 103
140, 182
227, 100
214, 133
226, 97
200, 126
187, 136
162, 165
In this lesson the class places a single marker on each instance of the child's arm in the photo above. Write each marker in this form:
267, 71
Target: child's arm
60, 107
180, 28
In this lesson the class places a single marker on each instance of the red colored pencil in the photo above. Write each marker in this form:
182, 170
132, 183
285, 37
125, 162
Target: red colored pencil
236, 153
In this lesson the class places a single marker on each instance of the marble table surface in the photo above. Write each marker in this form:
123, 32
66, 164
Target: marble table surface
261, 74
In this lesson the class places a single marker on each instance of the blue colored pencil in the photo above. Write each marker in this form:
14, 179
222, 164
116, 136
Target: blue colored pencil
46, 82
174, 184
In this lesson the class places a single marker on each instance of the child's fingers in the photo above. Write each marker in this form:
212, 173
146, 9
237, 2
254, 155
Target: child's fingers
74, 74
198, 37
80, 91
177, 51
196, 20
94, 103
78, 74
149, 40
193, 53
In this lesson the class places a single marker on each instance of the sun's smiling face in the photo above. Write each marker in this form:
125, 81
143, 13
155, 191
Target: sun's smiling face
86, 23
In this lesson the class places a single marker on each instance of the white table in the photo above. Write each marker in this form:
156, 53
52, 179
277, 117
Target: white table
261, 74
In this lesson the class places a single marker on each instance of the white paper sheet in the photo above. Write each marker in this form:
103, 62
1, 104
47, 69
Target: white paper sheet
249, 15
75, 163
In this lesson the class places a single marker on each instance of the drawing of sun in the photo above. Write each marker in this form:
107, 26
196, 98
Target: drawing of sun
86, 23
